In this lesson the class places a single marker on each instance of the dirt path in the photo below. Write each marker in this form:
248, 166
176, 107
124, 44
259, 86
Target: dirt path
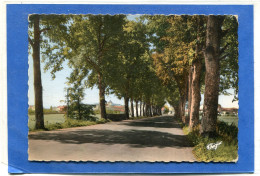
151, 139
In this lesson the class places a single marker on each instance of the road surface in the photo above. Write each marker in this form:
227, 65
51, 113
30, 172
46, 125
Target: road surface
151, 139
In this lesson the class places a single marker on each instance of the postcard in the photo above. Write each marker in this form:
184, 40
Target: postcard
133, 88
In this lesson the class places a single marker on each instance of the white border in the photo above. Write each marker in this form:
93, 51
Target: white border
3, 56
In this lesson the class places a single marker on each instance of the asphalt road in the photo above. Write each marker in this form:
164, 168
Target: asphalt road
151, 139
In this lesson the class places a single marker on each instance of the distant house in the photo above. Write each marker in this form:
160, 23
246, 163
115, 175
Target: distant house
229, 111
110, 106
119, 108
61, 108
55, 109
32, 107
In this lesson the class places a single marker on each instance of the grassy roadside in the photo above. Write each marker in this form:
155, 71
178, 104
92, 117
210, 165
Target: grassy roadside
70, 123
225, 152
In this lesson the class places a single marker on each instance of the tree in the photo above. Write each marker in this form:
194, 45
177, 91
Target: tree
38, 25
89, 46
197, 26
221, 61
76, 108
212, 77
35, 44
171, 59
125, 71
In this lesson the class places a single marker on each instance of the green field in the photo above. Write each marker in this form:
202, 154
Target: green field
229, 119
48, 119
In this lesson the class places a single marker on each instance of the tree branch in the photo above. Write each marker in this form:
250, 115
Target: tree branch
44, 29
223, 57
30, 41
224, 32
223, 49
93, 64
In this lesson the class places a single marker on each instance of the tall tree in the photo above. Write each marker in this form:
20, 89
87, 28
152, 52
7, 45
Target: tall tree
212, 77
41, 25
124, 73
35, 44
197, 26
91, 45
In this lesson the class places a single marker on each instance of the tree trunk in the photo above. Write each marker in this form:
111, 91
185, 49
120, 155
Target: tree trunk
176, 112
141, 108
146, 110
196, 97
39, 117
102, 101
144, 104
182, 109
190, 91
126, 107
213, 36
79, 108
150, 111
136, 107
196, 74
132, 108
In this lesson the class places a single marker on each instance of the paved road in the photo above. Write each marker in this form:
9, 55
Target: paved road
150, 139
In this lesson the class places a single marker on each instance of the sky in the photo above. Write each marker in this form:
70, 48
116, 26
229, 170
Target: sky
54, 90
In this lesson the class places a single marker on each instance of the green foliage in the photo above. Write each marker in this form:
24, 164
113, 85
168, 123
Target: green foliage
31, 112
226, 152
229, 56
166, 109
76, 109
85, 111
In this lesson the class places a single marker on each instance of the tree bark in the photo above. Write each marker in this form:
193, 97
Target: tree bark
144, 104
195, 79
176, 112
102, 101
150, 111
212, 52
195, 94
190, 91
141, 108
79, 110
146, 110
136, 107
39, 117
132, 108
182, 109
126, 107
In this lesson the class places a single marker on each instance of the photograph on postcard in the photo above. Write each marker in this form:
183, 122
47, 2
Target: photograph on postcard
132, 87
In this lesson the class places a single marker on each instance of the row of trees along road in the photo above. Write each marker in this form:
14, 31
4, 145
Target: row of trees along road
149, 60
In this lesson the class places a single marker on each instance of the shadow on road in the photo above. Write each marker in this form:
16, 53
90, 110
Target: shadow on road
133, 137
157, 122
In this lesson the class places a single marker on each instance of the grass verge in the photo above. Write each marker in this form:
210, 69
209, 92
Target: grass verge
69, 123
225, 152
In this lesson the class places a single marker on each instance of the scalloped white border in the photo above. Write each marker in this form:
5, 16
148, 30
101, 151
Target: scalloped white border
3, 55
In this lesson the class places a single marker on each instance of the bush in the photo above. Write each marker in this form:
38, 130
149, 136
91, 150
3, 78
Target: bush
227, 151
85, 112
